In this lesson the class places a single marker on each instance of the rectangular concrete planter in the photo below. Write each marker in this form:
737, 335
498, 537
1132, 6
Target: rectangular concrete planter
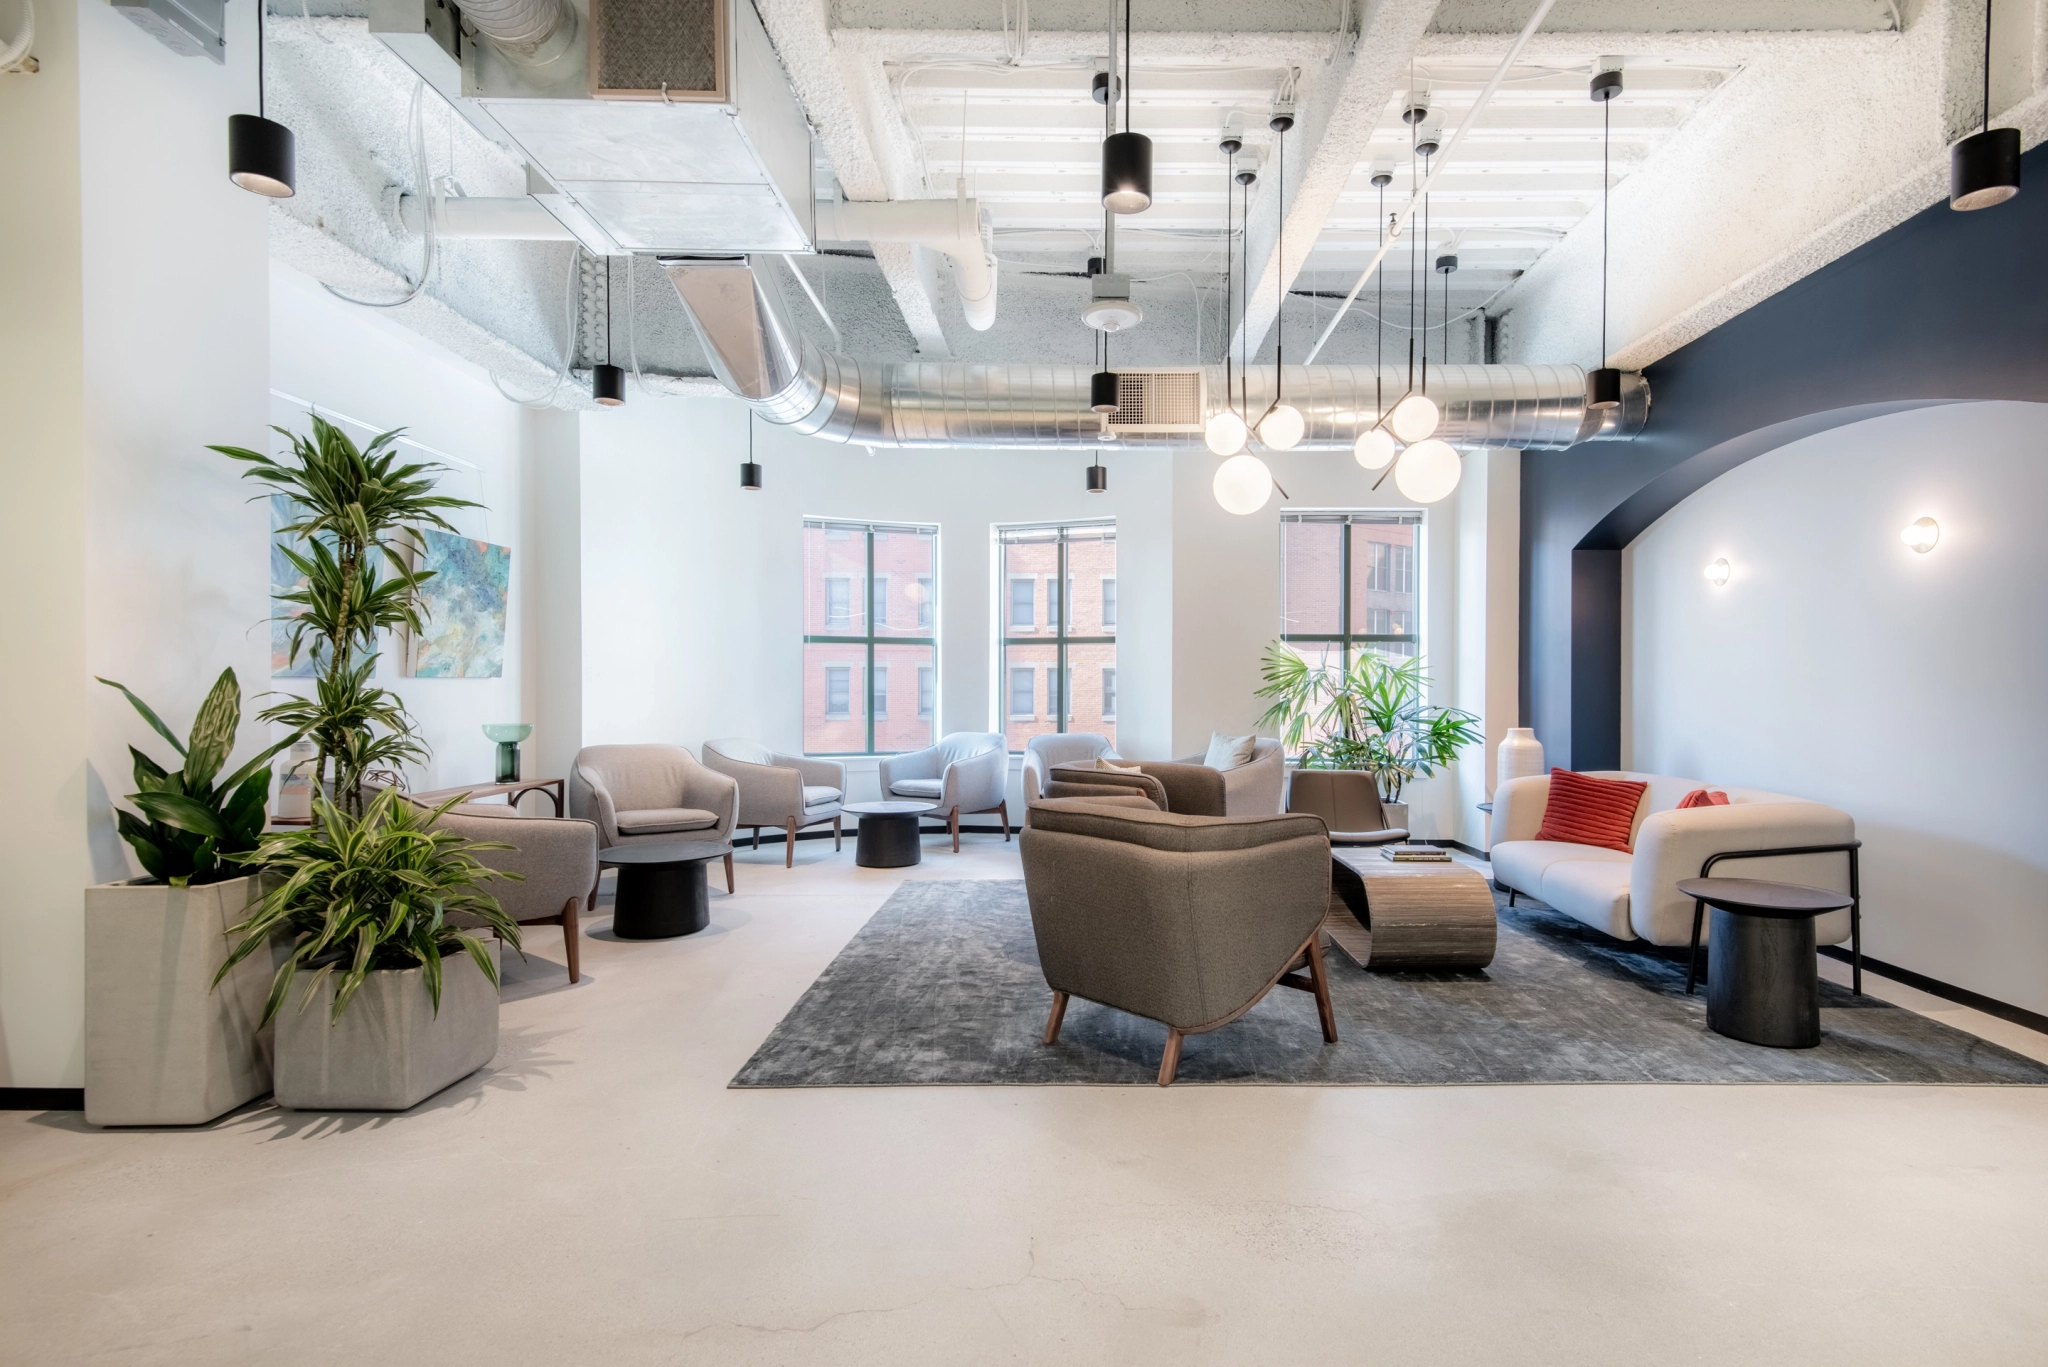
389, 1051
161, 1046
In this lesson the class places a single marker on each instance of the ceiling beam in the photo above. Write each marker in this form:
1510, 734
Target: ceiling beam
871, 152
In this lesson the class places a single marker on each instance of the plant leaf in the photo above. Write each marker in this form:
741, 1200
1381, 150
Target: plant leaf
186, 813
152, 718
213, 731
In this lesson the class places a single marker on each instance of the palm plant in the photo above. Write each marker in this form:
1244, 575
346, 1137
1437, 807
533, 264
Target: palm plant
370, 892
360, 510
195, 826
1370, 716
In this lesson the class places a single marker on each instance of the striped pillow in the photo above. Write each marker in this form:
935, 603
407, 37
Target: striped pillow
1584, 810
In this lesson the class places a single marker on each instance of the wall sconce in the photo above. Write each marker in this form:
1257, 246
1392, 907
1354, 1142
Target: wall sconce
1717, 573
1921, 535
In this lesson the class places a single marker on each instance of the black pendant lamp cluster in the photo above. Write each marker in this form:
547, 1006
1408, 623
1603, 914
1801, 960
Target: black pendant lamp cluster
262, 158
750, 473
607, 381
1603, 386
1984, 168
1126, 156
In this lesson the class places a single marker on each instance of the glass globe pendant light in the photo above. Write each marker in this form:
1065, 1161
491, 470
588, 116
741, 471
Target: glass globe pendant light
1374, 448
1415, 418
1282, 427
1225, 433
1242, 484
1428, 471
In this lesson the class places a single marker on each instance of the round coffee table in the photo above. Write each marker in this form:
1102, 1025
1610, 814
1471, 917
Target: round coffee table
888, 837
1763, 985
662, 892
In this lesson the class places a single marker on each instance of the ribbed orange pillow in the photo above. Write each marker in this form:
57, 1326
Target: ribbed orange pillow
1584, 810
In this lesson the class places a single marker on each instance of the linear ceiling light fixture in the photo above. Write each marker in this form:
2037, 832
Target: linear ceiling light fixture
1603, 385
262, 158
1282, 426
1225, 431
1126, 156
1984, 168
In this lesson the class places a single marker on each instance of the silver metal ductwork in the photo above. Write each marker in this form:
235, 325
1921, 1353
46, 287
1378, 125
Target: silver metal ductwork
757, 355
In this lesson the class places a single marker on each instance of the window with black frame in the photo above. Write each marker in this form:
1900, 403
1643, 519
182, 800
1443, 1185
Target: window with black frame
871, 647
1057, 661
1351, 582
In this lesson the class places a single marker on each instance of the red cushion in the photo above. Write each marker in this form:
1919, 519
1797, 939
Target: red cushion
1702, 797
1584, 810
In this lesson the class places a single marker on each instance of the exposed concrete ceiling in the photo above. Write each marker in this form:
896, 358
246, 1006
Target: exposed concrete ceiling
907, 96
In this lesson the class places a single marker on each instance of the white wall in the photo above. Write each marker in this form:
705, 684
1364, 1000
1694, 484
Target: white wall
359, 363
1837, 664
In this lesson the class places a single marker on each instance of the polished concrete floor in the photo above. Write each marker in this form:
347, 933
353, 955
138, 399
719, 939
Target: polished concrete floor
598, 1196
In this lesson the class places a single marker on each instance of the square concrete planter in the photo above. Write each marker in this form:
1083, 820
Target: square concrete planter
161, 1046
389, 1051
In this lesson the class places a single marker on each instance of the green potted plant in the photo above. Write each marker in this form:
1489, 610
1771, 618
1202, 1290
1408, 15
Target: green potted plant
161, 1047
399, 1002
1370, 717
360, 512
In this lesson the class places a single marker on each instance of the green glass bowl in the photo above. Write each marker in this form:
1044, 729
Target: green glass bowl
508, 732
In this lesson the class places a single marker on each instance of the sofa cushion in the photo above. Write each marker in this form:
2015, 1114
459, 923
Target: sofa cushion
1228, 752
1594, 891
815, 796
933, 788
1702, 797
1584, 810
663, 820
1521, 864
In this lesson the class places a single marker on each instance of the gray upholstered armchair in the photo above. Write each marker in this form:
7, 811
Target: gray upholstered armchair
1186, 920
780, 790
644, 794
1253, 788
556, 858
1348, 801
965, 772
1041, 753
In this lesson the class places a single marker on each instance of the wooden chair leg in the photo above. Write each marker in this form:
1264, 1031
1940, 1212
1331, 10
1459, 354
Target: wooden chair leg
835, 835
953, 825
1324, 1010
789, 846
1004, 808
572, 941
1059, 1014
728, 873
1169, 1062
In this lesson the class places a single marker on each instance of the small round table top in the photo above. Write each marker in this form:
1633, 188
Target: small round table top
667, 852
1761, 897
888, 808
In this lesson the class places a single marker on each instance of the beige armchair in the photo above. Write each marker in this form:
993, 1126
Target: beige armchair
780, 790
1185, 920
965, 772
1044, 753
647, 794
556, 858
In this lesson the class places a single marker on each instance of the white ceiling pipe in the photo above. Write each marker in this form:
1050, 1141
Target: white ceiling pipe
953, 226
531, 31
513, 218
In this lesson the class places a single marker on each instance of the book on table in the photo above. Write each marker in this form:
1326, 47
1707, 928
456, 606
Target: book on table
1415, 854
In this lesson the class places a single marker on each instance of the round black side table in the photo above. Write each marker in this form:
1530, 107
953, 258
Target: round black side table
662, 892
1763, 985
888, 837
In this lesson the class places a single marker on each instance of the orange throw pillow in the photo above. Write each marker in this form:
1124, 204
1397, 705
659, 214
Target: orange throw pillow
1584, 810
1703, 797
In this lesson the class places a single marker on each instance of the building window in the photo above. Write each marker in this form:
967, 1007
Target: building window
1024, 693
1109, 695
1350, 582
1073, 648
851, 631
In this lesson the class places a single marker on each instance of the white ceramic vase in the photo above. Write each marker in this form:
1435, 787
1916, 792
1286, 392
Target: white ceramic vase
1520, 756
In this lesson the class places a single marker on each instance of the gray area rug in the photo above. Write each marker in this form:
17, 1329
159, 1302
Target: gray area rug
942, 987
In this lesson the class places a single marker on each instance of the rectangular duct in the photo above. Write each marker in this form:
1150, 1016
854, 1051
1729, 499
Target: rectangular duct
1158, 401
190, 28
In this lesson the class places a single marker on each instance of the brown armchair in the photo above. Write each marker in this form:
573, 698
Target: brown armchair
1186, 920
1348, 801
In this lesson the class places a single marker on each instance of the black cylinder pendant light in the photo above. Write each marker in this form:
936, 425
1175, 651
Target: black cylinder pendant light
1098, 477
607, 381
1603, 385
262, 158
750, 473
1102, 391
1984, 168
1126, 156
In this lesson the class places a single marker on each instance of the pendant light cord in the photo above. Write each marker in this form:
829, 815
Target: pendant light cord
1987, 66
262, 5
1426, 249
1126, 91
1606, 133
1379, 326
1229, 273
1280, 308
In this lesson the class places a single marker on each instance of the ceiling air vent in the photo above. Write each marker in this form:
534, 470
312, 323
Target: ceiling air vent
1158, 400
658, 50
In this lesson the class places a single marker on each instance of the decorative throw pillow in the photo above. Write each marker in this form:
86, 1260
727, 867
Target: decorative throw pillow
1584, 810
1227, 752
1703, 797
1118, 768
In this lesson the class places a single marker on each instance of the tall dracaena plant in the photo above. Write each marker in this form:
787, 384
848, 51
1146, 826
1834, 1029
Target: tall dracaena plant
358, 511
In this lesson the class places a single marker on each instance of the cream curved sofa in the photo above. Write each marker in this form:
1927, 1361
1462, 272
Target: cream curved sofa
1635, 895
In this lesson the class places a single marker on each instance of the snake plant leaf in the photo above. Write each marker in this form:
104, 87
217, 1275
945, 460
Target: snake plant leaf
182, 811
156, 722
213, 732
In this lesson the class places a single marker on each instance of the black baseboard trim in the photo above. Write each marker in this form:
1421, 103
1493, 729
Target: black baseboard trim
1458, 845
42, 1098
1935, 987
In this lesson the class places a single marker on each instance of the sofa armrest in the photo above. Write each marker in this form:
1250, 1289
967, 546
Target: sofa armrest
1673, 845
1518, 808
915, 764
556, 857
1255, 789
1192, 788
710, 791
975, 784
816, 773
607, 816
769, 794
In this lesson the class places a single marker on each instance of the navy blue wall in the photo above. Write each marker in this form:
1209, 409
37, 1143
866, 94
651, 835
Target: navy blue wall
1944, 307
